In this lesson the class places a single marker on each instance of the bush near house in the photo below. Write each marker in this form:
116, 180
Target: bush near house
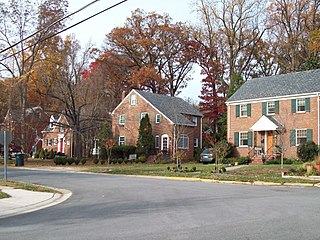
307, 152
122, 151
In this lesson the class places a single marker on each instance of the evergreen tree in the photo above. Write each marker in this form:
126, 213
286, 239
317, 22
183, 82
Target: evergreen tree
145, 139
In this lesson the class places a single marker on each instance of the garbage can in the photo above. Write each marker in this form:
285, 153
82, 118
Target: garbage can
19, 159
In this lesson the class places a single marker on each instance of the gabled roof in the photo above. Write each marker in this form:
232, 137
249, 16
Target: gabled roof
54, 119
266, 123
306, 82
173, 108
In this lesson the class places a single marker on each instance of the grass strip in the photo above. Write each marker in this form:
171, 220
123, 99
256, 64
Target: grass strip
26, 186
261, 173
4, 195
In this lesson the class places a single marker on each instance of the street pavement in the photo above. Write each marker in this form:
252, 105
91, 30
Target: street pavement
120, 207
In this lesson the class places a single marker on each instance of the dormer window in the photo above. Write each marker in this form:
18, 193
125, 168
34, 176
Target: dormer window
195, 121
133, 99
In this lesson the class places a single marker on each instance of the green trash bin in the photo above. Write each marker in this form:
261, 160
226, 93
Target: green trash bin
19, 159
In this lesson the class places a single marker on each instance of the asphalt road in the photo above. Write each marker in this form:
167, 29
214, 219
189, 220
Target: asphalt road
116, 207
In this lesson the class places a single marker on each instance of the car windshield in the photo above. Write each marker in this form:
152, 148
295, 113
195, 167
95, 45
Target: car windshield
208, 150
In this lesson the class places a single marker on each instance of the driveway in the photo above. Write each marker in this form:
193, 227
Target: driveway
116, 207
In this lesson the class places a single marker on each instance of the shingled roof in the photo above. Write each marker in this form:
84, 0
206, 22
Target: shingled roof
173, 108
279, 86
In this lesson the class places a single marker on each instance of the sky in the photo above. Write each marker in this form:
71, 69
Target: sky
95, 29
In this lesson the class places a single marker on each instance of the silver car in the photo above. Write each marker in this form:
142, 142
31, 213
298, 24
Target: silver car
207, 156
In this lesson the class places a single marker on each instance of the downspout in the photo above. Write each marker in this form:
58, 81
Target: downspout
319, 120
228, 123
174, 141
201, 132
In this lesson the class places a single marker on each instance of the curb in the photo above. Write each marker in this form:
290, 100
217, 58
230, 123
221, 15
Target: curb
253, 183
59, 196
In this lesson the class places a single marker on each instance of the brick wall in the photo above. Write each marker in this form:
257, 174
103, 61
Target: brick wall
306, 120
130, 129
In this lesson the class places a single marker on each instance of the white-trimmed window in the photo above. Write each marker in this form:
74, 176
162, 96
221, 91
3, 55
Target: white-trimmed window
55, 141
157, 142
243, 139
158, 118
301, 136
243, 110
133, 99
271, 108
183, 141
50, 142
122, 140
61, 129
122, 119
143, 114
301, 105
196, 142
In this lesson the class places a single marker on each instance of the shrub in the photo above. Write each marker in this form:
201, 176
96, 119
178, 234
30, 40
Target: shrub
142, 159
227, 161
60, 160
83, 161
307, 152
95, 161
243, 160
194, 168
77, 161
123, 151
278, 161
103, 161
41, 153
36, 155
51, 154
119, 160
197, 152
70, 160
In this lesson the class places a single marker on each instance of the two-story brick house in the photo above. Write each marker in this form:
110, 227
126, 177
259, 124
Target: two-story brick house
176, 125
272, 112
57, 135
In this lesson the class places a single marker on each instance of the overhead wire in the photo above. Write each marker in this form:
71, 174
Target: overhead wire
48, 27
65, 29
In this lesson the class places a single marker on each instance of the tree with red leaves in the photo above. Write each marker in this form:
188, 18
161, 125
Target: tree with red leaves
214, 88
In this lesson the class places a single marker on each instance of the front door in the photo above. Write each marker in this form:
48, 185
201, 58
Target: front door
270, 142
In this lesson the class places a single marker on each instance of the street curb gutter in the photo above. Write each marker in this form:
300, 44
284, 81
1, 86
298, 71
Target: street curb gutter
59, 196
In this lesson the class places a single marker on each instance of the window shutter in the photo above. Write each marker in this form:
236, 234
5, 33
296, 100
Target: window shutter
293, 105
293, 137
249, 110
264, 108
276, 105
250, 139
307, 104
236, 139
237, 110
309, 134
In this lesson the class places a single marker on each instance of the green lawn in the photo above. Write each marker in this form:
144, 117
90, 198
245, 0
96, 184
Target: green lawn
3, 195
264, 173
25, 186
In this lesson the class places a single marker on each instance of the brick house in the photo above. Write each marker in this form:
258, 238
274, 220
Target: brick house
175, 123
57, 135
268, 113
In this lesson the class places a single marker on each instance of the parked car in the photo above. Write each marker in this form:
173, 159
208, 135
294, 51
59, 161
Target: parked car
207, 156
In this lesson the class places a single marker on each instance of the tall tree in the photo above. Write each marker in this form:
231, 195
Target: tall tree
290, 23
157, 47
145, 141
236, 27
213, 93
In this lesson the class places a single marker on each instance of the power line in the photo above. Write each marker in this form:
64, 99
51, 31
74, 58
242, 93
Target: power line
65, 29
48, 27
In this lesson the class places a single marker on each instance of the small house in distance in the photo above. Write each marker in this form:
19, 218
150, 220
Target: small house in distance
272, 113
57, 135
176, 125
